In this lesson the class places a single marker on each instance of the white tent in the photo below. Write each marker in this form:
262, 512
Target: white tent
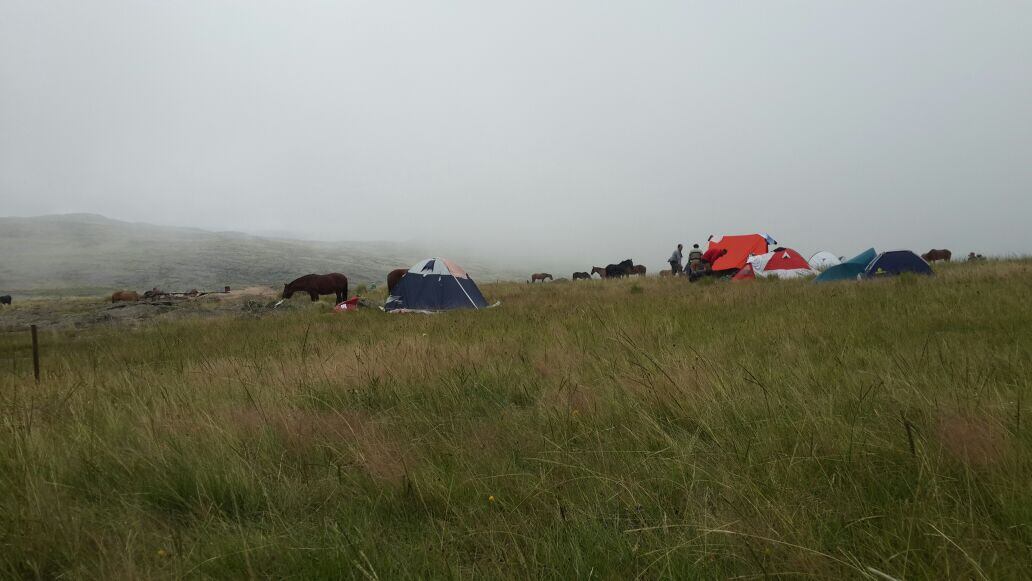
823, 260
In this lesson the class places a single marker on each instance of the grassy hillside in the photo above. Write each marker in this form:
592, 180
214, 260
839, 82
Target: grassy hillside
82, 253
608, 429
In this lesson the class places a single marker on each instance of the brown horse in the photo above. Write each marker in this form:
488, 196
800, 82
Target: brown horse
319, 284
934, 255
601, 272
581, 276
125, 296
665, 273
393, 278
638, 269
542, 276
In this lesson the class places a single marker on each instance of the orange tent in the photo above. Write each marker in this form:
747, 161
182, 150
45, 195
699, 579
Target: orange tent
739, 249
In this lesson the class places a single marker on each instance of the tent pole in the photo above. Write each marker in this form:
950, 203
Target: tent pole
471, 301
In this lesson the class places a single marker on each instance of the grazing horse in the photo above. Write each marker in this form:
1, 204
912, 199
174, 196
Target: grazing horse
581, 276
934, 255
542, 276
5, 300
638, 269
394, 278
620, 269
319, 284
125, 296
601, 272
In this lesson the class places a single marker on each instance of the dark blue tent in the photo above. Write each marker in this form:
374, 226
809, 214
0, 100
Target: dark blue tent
435, 284
850, 269
896, 262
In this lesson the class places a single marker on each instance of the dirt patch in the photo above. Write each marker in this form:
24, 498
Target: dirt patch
973, 440
256, 291
64, 313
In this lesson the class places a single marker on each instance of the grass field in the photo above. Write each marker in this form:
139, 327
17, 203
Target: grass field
614, 429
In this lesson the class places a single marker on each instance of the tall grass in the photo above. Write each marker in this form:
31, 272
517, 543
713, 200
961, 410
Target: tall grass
616, 429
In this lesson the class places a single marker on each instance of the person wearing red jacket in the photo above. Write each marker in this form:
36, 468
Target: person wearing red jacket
711, 255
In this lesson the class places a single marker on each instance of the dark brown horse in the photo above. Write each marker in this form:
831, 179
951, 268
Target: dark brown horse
601, 272
934, 255
581, 276
5, 300
125, 296
319, 284
394, 278
638, 269
620, 269
542, 276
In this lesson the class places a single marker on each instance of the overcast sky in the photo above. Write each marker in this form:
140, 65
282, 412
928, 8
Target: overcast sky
574, 131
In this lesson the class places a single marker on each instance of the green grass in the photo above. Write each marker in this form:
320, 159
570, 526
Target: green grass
610, 429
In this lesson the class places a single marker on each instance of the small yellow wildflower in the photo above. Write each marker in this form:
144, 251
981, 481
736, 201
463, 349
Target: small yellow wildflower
162, 553
491, 498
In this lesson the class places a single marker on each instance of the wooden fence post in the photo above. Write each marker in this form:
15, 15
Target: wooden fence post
35, 353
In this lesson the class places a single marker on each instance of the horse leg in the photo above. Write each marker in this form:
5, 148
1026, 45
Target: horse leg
314, 295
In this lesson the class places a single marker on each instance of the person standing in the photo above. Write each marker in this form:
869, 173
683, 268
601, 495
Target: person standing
694, 259
675, 260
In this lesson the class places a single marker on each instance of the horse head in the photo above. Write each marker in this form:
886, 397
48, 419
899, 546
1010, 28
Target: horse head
287, 291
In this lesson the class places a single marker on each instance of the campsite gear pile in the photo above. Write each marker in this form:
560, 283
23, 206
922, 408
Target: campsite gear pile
351, 304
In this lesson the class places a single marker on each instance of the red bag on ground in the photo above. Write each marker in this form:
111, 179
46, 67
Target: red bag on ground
348, 305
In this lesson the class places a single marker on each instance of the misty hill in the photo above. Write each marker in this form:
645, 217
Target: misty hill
88, 253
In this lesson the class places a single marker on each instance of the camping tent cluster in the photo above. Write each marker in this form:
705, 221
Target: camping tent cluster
438, 284
748, 257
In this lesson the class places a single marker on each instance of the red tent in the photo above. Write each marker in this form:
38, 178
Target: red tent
746, 273
787, 259
739, 249
782, 263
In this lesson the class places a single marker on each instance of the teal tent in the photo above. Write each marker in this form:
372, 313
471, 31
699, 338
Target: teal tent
850, 269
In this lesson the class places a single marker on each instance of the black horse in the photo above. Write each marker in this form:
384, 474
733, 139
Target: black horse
5, 300
620, 269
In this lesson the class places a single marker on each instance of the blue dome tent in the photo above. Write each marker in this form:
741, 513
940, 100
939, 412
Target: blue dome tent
896, 262
435, 284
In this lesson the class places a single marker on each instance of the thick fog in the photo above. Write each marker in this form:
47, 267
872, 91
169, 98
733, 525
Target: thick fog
534, 132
